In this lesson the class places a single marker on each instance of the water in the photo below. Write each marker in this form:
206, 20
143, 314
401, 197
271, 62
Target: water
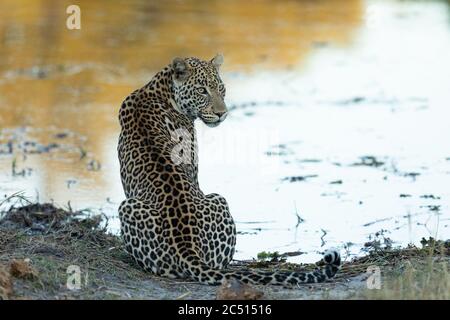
346, 99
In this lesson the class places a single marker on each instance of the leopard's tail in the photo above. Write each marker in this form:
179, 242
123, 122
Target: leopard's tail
199, 271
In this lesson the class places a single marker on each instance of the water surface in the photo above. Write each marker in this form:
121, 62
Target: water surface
339, 119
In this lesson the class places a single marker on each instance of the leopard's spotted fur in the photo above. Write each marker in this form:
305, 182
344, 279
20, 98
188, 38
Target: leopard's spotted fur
168, 224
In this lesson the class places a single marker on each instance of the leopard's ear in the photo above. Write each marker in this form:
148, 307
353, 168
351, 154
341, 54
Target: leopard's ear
217, 61
180, 69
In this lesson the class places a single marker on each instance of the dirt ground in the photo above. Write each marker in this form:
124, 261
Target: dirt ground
51, 253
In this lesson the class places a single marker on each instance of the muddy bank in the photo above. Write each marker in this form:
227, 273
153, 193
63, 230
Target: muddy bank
50, 253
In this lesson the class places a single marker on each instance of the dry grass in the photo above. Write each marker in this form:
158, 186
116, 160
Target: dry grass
54, 238
424, 276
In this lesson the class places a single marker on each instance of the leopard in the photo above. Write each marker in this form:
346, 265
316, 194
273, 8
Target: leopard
168, 225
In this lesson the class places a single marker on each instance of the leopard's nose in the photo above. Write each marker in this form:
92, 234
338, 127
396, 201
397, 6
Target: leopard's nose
220, 113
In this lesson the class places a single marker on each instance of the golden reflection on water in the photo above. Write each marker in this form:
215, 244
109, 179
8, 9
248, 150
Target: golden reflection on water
76, 79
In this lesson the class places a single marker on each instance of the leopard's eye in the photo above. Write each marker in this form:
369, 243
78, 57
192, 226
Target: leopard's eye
202, 90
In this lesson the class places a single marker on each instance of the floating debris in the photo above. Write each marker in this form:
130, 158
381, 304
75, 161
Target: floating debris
369, 161
353, 100
61, 135
256, 222
246, 232
33, 147
279, 150
430, 196
376, 221
435, 208
253, 104
94, 165
70, 183
25, 141
310, 160
6, 148
292, 253
299, 178
336, 194
413, 175
379, 242
404, 195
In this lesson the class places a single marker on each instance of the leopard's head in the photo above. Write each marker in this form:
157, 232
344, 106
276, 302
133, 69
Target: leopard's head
198, 90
